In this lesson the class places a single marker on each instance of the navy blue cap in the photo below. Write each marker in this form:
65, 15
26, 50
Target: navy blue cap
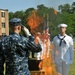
15, 22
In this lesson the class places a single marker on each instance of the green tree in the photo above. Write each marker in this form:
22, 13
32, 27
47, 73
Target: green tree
42, 10
73, 8
28, 12
64, 8
11, 15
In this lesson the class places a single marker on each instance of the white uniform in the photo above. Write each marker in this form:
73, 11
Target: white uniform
62, 54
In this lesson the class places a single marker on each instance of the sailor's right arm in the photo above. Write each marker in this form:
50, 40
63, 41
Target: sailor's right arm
31, 45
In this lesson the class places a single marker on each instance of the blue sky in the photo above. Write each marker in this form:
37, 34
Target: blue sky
17, 5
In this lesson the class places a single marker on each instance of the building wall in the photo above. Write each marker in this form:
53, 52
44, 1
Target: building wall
4, 22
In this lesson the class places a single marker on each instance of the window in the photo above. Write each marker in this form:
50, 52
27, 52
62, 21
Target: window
3, 14
3, 25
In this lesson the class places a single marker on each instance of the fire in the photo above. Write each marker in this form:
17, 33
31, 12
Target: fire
34, 20
46, 64
55, 12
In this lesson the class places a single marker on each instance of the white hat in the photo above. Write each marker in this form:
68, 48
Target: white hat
62, 25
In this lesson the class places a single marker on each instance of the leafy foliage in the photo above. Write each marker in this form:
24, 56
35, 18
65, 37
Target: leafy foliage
65, 14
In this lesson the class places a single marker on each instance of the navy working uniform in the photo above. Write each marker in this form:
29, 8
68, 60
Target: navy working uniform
14, 50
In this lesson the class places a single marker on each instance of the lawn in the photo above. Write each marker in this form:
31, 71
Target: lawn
72, 67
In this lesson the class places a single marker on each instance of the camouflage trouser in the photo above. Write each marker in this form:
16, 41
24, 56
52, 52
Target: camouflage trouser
27, 72
22, 73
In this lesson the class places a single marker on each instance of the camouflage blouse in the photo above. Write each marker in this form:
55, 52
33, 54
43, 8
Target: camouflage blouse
14, 50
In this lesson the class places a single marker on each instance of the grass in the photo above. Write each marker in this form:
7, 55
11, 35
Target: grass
72, 67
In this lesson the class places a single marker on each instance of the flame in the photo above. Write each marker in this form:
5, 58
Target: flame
55, 12
40, 64
46, 64
34, 20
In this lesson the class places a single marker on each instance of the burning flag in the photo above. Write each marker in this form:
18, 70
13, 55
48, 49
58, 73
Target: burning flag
47, 64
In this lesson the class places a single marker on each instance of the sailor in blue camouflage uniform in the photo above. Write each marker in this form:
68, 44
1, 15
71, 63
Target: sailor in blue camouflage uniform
14, 49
